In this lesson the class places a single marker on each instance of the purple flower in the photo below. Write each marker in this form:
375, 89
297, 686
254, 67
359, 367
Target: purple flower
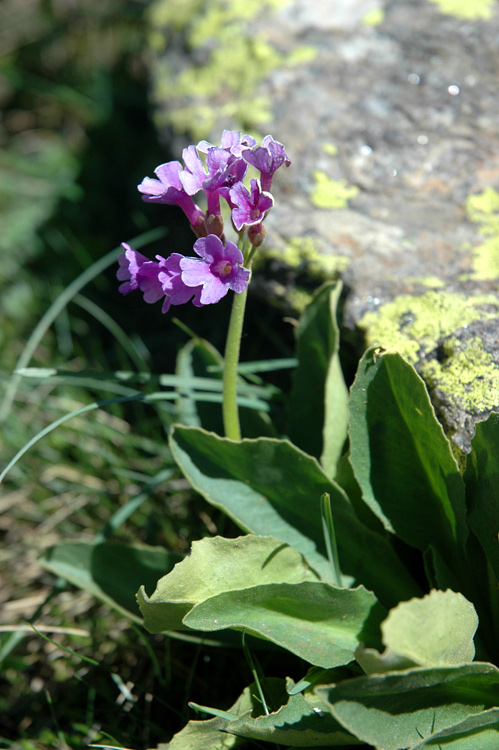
175, 290
168, 189
232, 141
155, 279
222, 171
249, 208
267, 158
134, 268
217, 269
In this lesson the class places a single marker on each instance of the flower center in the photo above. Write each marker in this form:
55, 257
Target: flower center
222, 268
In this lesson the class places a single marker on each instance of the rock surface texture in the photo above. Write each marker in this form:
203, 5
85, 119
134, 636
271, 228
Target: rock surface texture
389, 112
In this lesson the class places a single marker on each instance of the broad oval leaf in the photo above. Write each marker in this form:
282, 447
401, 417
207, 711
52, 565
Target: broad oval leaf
403, 462
434, 631
271, 485
215, 566
318, 622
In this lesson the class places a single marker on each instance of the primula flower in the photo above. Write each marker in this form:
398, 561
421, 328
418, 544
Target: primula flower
155, 279
232, 141
134, 268
249, 207
217, 269
176, 291
267, 158
169, 189
222, 171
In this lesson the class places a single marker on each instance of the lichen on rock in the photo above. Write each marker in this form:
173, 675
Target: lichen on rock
483, 209
444, 334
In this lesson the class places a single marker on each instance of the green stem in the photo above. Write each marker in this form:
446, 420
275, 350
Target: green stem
232, 348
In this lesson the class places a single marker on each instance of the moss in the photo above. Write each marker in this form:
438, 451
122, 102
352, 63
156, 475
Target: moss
374, 17
413, 326
472, 9
331, 193
483, 209
468, 373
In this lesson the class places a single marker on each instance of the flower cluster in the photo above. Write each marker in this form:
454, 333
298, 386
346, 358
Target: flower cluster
219, 267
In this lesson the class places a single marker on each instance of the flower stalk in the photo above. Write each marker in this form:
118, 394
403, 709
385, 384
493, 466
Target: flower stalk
232, 348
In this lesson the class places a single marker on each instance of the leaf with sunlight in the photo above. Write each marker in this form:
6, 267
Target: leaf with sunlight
263, 586
216, 565
434, 631
271, 484
404, 463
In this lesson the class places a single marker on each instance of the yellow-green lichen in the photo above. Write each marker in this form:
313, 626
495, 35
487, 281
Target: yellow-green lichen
237, 67
472, 9
222, 88
483, 209
413, 326
431, 282
330, 148
374, 17
331, 193
221, 18
468, 373
303, 251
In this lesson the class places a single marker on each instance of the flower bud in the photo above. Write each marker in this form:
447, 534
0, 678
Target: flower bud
256, 235
215, 224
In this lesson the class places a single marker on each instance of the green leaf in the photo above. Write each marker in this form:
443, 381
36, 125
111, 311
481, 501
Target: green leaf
477, 732
111, 571
214, 566
269, 484
263, 586
336, 398
318, 402
397, 710
402, 460
314, 620
212, 734
482, 488
434, 631
300, 723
